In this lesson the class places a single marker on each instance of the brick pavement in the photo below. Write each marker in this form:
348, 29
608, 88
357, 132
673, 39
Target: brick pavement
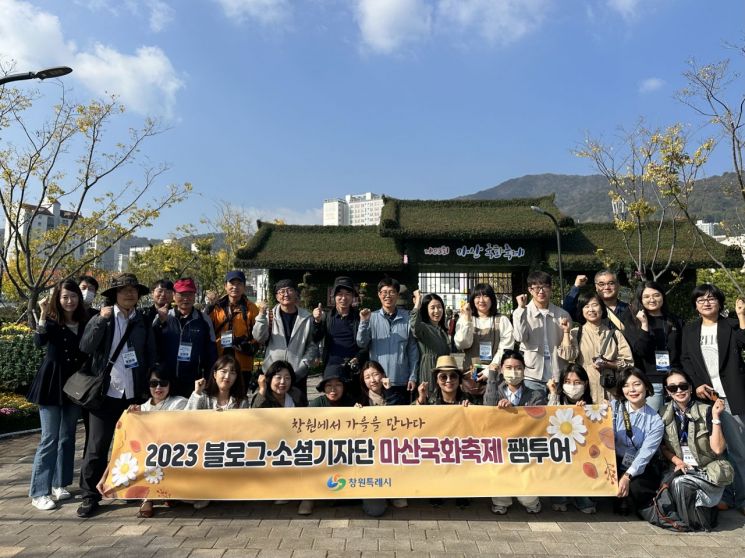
260, 529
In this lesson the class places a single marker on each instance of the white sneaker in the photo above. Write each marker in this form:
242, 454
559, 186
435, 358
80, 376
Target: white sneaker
559, 507
305, 507
400, 503
43, 503
499, 510
534, 509
201, 504
61, 493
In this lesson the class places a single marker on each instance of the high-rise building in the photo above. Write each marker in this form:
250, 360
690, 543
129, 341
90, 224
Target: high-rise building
361, 209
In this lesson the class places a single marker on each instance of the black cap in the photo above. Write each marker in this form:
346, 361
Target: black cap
344, 283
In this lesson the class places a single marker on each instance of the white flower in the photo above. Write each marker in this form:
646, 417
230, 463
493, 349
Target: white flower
125, 469
596, 412
565, 425
153, 475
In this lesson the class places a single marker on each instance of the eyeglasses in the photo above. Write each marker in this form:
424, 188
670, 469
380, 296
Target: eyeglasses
285, 292
683, 386
540, 288
602, 285
159, 383
388, 294
706, 299
447, 377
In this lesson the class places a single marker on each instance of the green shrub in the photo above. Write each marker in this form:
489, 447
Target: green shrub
17, 414
19, 358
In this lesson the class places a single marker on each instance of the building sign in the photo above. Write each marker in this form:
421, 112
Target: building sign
371, 452
476, 251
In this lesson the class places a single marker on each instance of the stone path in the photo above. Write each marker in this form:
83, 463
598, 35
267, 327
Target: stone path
263, 529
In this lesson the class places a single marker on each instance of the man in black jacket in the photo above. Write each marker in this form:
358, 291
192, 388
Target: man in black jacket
338, 331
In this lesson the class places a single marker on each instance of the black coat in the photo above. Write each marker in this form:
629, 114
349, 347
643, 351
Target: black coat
97, 340
731, 340
642, 344
62, 360
321, 332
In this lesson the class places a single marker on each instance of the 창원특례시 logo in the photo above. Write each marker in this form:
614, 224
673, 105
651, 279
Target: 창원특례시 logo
336, 483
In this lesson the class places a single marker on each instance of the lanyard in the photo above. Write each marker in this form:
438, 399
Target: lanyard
627, 425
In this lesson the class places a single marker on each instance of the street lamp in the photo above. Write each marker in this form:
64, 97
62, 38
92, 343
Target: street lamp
41, 74
558, 245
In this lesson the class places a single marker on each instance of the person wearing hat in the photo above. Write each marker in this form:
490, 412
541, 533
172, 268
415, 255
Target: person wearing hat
287, 332
333, 386
185, 339
338, 331
233, 318
125, 382
448, 389
161, 291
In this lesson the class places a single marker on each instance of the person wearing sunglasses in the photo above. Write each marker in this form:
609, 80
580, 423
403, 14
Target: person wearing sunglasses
160, 400
694, 445
448, 390
712, 357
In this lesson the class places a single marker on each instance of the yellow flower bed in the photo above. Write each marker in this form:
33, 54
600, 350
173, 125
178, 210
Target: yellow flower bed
15, 401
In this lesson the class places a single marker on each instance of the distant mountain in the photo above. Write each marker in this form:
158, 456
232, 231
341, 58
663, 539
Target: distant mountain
585, 198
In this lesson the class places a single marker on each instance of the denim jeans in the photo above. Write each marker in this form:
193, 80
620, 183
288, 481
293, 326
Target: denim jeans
657, 401
536, 386
55, 456
733, 428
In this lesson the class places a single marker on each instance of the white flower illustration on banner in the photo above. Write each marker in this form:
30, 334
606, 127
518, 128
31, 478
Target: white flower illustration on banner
596, 412
565, 425
153, 475
125, 469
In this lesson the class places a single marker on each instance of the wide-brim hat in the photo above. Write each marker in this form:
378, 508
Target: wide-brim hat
446, 363
344, 283
124, 280
333, 372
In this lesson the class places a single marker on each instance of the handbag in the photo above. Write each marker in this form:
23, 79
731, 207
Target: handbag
85, 388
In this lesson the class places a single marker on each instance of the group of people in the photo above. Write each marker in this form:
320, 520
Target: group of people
677, 392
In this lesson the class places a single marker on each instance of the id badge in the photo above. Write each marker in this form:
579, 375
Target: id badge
226, 339
130, 358
485, 351
662, 361
688, 458
628, 458
184, 352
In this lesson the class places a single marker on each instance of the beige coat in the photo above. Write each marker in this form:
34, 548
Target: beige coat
528, 327
617, 351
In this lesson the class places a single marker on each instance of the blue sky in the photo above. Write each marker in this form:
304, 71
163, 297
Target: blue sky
275, 105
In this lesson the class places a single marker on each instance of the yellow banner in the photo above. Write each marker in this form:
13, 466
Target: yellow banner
373, 452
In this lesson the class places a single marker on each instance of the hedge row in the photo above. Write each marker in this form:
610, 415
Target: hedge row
19, 358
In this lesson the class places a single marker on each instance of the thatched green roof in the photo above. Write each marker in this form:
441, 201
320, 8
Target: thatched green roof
470, 219
579, 247
317, 247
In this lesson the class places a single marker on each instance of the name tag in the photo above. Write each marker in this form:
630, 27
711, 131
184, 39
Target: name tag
662, 361
688, 458
226, 339
628, 458
184, 352
485, 351
130, 359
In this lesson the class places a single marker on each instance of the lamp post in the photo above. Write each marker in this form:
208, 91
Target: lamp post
558, 245
41, 74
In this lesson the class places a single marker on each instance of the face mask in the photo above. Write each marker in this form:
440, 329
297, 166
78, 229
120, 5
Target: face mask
514, 377
88, 296
574, 392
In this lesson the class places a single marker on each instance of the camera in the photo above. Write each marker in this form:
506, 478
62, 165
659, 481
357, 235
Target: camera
608, 378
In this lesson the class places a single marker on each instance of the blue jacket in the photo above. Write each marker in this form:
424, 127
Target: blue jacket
198, 332
392, 344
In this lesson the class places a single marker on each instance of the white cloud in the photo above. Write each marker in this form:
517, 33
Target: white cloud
160, 15
266, 12
650, 85
145, 81
502, 21
387, 25
627, 8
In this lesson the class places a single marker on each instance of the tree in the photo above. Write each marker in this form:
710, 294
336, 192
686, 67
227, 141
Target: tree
641, 206
235, 226
70, 160
718, 94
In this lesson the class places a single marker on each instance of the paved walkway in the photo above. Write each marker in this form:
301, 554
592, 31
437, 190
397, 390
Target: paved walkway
259, 529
